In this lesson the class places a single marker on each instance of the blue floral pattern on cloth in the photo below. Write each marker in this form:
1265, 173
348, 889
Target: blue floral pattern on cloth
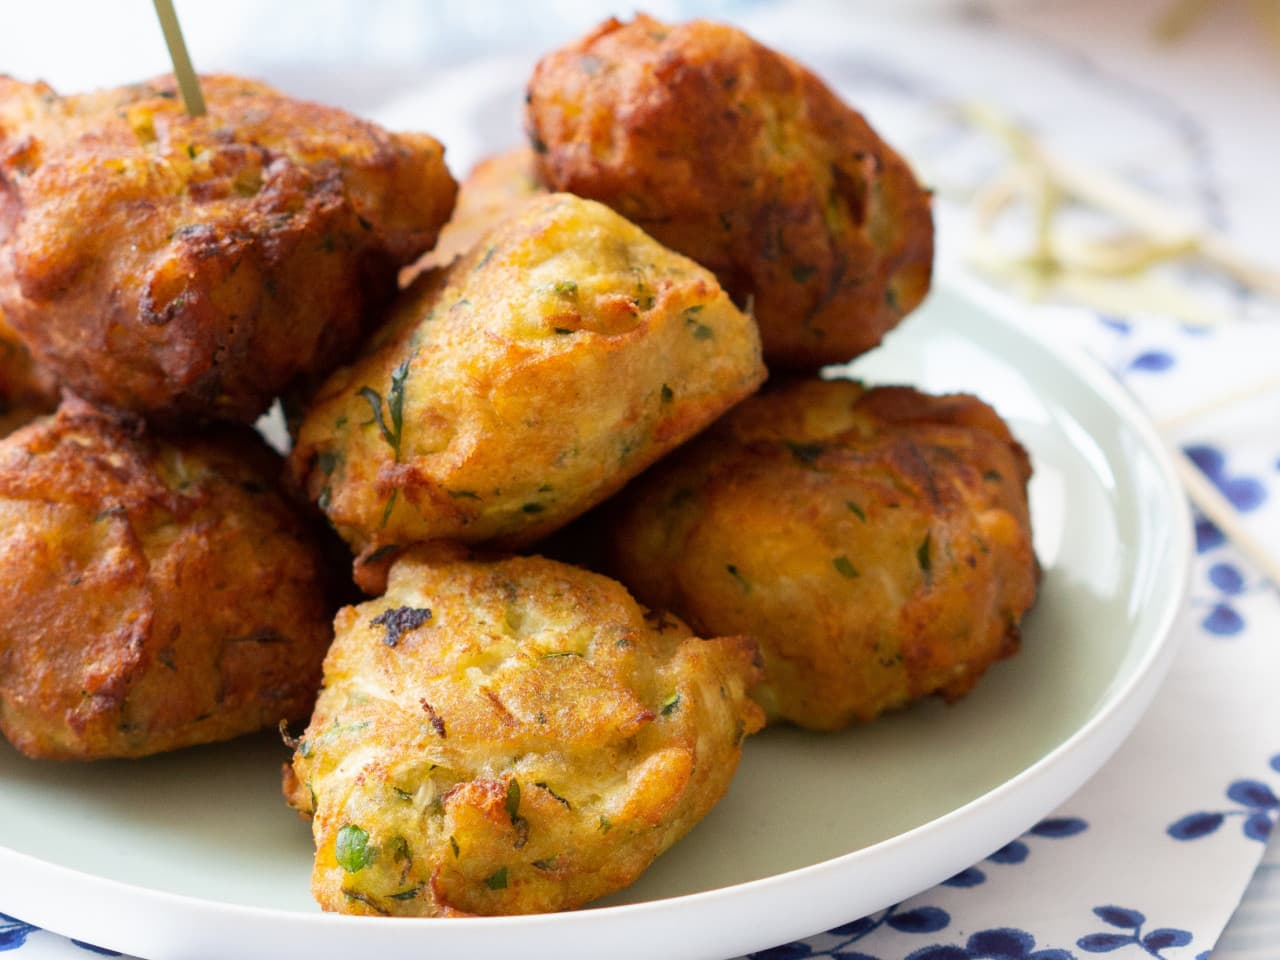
1153, 944
1255, 803
13, 932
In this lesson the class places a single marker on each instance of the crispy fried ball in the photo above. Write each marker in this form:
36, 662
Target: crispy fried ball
153, 594
875, 542
517, 736
494, 188
524, 384
27, 390
186, 267
745, 161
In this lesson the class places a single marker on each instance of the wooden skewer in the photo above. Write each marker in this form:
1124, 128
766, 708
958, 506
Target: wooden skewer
1231, 399
1219, 509
188, 82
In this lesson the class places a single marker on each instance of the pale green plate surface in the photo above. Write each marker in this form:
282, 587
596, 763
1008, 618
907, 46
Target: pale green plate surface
942, 785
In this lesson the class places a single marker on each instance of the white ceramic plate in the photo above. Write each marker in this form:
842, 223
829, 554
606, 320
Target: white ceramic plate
195, 855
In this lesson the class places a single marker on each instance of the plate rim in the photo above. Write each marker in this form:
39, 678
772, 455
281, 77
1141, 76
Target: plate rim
98, 913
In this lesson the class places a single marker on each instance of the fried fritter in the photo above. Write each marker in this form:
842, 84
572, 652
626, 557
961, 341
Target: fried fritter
876, 543
517, 736
26, 389
494, 188
153, 594
186, 267
745, 161
524, 384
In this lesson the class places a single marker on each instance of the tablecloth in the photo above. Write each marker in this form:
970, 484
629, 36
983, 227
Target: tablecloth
1153, 855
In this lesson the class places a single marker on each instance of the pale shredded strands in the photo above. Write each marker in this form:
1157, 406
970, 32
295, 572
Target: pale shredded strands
1113, 274
1116, 274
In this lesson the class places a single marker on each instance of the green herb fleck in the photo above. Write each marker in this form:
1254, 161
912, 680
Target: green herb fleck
328, 461
453, 845
806, 453
404, 795
407, 894
488, 254
464, 495
743, 582
548, 864
670, 705
533, 508
667, 394
498, 880
605, 824
802, 272
391, 505
856, 510
994, 476
842, 564
383, 552
399, 848
566, 288
557, 654
191, 150
562, 331
700, 330
923, 558
352, 849
513, 800
391, 432
891, 298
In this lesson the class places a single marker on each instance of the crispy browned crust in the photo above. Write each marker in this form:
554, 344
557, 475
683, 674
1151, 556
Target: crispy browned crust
493, 189
742, 159
876, 543
194, 267
516, 736
27, 390
514, 390
153, 594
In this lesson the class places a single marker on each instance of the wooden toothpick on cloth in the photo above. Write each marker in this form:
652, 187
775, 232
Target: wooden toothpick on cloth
188, 82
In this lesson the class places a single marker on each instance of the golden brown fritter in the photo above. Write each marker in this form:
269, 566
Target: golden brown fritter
494, 188
513, 391
875, 542
517, 736
153, 594
26, 389
745, 161
193, 268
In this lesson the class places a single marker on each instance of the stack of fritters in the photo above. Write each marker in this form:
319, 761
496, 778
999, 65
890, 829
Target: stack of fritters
159, 589
494, 734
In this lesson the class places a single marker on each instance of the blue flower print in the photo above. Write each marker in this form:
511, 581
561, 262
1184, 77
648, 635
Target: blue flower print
916, 920
13, 932
1256, 803
1001, 943
1131, 922
103, 951
1016, 851
1245, 493
1223, 620
1152, 361
1208, 536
